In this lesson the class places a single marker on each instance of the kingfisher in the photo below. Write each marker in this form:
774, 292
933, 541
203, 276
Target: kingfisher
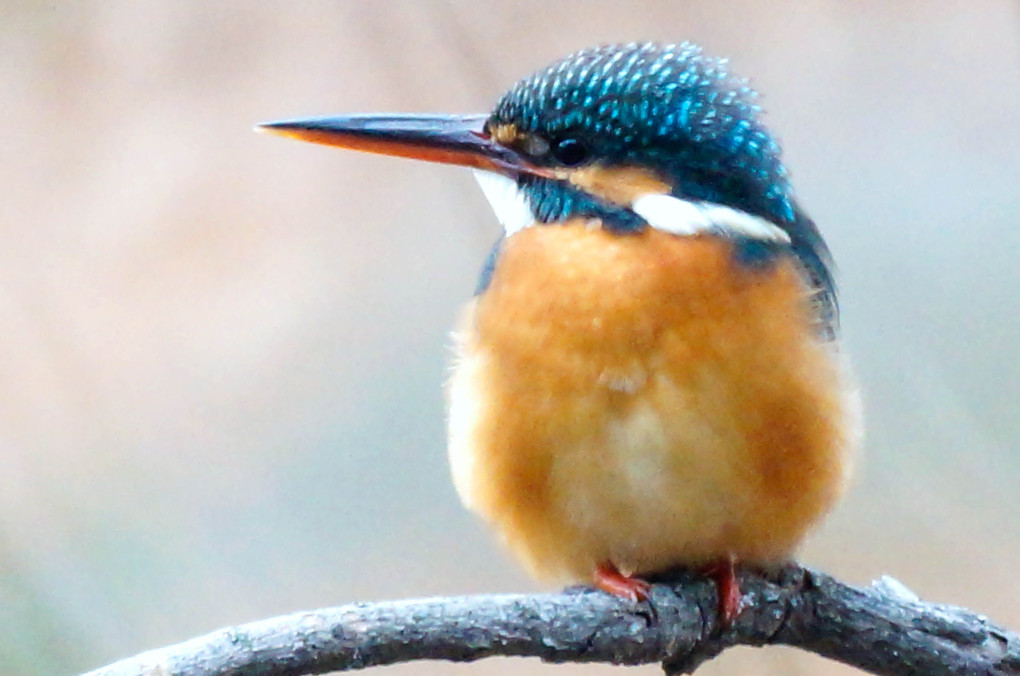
649, 374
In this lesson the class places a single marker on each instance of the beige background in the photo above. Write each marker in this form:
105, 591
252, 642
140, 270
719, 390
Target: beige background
221, 353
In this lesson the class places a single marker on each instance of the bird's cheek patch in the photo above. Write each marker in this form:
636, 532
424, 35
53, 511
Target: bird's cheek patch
616, 185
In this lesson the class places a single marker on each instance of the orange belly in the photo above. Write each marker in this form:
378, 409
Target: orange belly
645, 400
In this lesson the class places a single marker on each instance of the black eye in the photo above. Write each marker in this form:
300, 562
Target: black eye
570, 152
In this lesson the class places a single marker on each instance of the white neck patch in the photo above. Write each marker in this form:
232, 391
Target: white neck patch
662, 212
680, 217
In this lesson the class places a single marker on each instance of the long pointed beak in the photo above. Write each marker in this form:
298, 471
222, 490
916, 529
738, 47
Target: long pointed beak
449, 139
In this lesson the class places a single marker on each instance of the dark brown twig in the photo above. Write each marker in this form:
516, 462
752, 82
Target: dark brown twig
882, 629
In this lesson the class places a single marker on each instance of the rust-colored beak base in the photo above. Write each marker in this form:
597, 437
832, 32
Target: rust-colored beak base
449, 139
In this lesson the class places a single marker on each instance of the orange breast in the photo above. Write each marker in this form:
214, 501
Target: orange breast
644, 400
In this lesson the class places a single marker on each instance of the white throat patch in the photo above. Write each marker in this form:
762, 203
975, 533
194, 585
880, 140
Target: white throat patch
662, 212
507, 200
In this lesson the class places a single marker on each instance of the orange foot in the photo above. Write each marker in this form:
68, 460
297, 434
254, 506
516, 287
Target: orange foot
730, 600
608, 578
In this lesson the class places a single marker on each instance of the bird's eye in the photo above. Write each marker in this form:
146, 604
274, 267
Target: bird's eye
570, 152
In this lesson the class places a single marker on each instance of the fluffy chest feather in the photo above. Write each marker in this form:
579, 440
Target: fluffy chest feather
645, 400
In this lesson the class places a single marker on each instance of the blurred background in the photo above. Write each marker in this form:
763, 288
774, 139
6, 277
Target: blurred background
222, 353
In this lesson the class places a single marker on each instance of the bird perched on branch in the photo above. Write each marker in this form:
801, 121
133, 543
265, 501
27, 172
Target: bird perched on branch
648, 376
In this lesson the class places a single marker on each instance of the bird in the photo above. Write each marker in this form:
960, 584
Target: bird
649, 374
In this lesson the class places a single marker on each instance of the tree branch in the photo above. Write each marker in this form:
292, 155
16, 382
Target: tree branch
883, 629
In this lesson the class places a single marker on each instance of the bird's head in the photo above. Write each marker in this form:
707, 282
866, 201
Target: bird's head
616, 124
633, 136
